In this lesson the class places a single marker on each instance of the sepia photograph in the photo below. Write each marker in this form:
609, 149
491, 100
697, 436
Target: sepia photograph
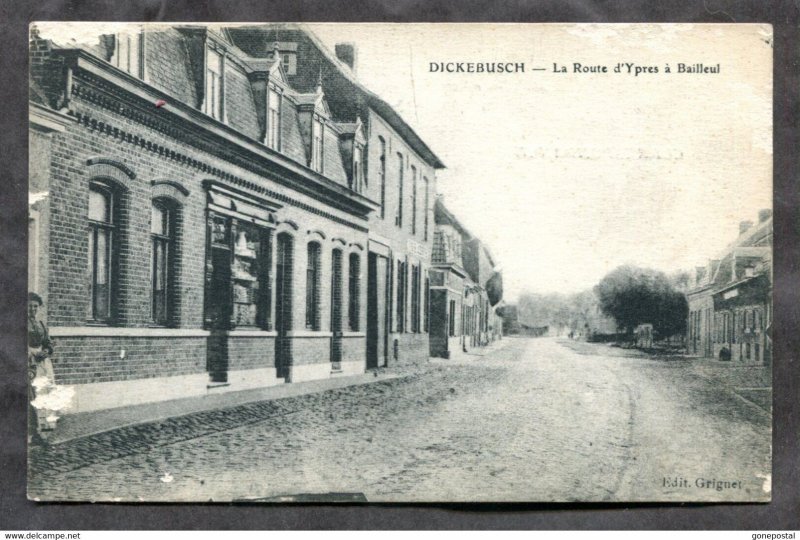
403, 263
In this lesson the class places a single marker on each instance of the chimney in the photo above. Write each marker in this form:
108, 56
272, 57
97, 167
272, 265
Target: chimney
764, 215
346, 52
744, 226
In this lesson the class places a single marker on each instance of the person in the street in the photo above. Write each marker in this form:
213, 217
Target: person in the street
40, 370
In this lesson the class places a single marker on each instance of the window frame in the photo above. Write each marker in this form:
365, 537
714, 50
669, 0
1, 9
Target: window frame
318, 143
427, 208
398, 220
382, 176
313, 285
358, 168
273, 137
109, 227
214, 94
354, 292
130, 38
167, 242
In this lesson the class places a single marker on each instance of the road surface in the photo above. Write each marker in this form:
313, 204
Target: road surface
535, 420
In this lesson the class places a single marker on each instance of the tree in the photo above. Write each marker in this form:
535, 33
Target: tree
634, 296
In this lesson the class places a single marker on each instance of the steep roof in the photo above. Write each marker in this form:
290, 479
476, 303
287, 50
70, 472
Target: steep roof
257, 40
443, 216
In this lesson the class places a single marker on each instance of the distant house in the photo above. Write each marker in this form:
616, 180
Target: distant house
730, 303
464, 289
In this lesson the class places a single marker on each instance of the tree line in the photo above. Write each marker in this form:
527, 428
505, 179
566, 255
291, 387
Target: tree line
625, 298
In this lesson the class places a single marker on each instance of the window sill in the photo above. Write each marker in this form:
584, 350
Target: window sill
93, 330
309, 334
252, 333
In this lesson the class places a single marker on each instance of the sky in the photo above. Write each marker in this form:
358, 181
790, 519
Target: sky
567, 176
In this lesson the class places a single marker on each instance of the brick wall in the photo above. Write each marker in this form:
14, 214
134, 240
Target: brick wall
311, 350
141, 163
82, 360
251, 352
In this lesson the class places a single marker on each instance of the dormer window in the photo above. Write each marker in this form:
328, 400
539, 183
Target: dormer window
357, 183
274, 119
127, 54
213, 104
317, 141
289, 63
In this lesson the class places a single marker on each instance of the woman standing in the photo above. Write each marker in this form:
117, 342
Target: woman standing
40, 367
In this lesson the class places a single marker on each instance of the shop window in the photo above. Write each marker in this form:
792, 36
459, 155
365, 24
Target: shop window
162, 234
237, 273
101, 249
313, 286
354, 291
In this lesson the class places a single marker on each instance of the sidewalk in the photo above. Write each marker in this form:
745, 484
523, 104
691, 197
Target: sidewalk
75, 426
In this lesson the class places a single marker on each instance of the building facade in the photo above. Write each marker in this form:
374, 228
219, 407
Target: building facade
399, 175
208, 216
730, 302
465, 289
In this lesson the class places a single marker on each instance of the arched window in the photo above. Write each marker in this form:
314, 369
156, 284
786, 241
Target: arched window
162, 234
312, 287
101, 250
354, 289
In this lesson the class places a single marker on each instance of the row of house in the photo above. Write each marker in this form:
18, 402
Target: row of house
221, 208
465, 289
730, 299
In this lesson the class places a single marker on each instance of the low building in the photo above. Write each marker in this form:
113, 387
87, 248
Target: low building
730, 302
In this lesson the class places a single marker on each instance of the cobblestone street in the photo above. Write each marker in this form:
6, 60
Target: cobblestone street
535, 420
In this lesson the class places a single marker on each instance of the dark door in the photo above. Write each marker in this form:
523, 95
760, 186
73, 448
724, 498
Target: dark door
283, 304
372, 311
376, 311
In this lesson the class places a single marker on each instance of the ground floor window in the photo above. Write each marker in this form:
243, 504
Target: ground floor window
237, 273
354, 290
452, 318
102, 216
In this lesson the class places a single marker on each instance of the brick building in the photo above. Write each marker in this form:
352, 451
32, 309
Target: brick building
730, 300
399, 176
202, 218
465, 289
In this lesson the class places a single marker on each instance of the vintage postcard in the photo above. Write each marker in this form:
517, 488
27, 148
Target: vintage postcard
400, 262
